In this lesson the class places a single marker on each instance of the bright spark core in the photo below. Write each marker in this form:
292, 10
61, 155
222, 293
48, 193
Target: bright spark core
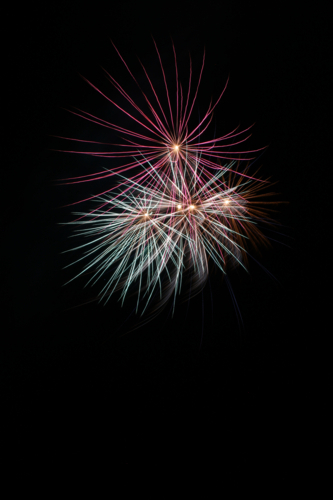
179, 207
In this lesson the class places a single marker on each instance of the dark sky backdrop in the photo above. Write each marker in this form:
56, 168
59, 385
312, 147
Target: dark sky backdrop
193, 383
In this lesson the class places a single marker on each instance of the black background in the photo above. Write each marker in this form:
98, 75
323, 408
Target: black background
77, 380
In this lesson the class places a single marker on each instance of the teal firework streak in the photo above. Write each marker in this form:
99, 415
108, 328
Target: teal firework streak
148, 234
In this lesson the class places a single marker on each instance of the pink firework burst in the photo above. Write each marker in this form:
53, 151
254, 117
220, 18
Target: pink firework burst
165, 138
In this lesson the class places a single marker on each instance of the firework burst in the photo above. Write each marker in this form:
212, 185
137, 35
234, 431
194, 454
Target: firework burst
187, 206
162, 136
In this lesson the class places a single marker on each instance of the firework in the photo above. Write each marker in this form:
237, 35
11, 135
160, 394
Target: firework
147, 236
183, 207
162, 136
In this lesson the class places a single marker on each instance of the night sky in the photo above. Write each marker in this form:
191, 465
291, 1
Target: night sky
77, 378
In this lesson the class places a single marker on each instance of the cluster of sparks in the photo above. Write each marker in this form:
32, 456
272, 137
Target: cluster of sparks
186, 203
